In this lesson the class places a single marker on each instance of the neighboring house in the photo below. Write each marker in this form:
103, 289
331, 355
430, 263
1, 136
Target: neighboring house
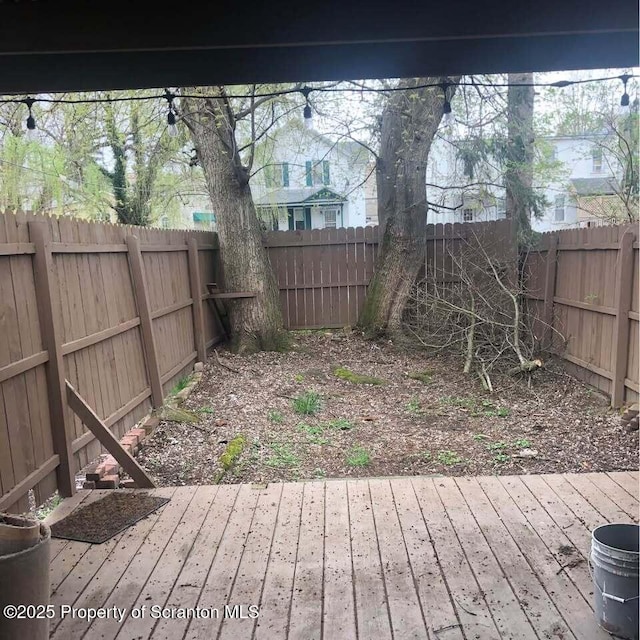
579, 182
308, 181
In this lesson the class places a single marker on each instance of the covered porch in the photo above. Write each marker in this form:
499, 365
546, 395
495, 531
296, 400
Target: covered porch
413, 557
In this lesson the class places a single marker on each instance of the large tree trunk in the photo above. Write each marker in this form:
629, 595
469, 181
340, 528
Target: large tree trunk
409, 123
256, 323
519, 169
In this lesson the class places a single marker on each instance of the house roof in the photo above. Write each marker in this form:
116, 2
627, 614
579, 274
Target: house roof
594, 186
306, 195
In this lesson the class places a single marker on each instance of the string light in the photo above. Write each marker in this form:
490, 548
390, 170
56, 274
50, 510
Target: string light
624, 100
171, 115
31, 121
305, 91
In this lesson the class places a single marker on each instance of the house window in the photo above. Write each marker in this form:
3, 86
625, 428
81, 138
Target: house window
596, 160
299, 218
317, 173
467, 215
559, 209
164, 222
554, 153
277, 175
330, 218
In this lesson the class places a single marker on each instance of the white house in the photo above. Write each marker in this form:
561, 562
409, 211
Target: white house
579, 170
307, 181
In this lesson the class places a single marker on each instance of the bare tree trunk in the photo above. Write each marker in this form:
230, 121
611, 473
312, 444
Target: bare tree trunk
409, 123
256, 323
519, 169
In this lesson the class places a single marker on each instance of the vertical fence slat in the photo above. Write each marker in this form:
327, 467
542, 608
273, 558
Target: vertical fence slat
624, 284
51, 340
146, 323
550, 290
196, 294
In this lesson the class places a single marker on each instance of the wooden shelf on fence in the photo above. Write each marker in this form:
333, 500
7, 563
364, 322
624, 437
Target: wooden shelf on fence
229, 295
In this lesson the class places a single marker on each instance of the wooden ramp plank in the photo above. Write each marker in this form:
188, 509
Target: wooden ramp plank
572, 526
278, 583
466, 594
253, 566
101, 568
440, 616
407, 620
626, 481
505, 608
339, 617
571, 561
616, 493
306, 603
370, 596
574, 607
224, 568
540, 608
184, 593
152, 586
610, 511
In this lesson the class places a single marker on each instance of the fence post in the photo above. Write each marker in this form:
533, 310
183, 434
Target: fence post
550, 291
624, 285
196, 294
52, 342
146, 323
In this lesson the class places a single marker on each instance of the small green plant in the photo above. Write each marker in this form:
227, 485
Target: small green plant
480, 437
449, 458
497, 446
503, 412
464, 403
356, 378
501, 457
314, 433
307, 404
319, 473
426, 455
340, 424
207, 410
477, 409
283, 456
422, 376
180, 385
358, 457
298, 377
232, 452
275, 416
413, 406
523, 443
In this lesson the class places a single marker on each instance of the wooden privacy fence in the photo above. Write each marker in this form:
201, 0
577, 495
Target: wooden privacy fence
584, 284
323, 274
117, 311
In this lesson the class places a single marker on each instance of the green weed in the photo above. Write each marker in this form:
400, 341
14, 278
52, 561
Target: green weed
501, 458
232, 452
480, 437
307, 404
341, 424
314, 433
207, 410
522, 443
275, 416
180, 385
413, 406
358, 457
298, 377
449, 458
283, 456
497, 446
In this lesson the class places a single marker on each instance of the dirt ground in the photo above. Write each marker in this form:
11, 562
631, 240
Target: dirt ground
444, 423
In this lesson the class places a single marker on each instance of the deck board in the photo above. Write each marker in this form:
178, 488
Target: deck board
433, 558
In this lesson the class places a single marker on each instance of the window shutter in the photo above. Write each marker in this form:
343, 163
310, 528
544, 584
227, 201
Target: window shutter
290, 219
307, 217
326, 178
285, 174
308, 172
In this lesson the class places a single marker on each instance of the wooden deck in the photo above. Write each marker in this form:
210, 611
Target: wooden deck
438, 558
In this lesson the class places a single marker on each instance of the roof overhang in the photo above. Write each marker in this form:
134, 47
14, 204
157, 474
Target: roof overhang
69, 45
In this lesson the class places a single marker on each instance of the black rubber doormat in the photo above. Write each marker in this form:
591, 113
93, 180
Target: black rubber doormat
101, 520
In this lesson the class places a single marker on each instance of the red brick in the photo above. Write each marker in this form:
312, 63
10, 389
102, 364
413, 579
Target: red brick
129, 439
141, 434
108, 482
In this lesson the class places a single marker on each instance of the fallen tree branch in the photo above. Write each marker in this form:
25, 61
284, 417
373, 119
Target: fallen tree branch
222, 364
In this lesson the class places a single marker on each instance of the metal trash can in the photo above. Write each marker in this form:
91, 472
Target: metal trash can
24, 578
614, 563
